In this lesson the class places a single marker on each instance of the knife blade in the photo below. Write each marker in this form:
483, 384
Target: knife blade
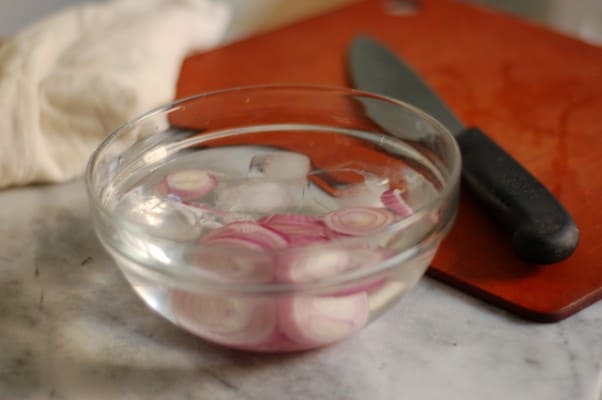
542, 230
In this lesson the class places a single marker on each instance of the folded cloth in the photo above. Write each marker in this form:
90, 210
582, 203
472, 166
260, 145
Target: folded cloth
69, 80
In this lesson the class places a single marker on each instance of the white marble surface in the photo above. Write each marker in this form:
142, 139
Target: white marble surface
71, 328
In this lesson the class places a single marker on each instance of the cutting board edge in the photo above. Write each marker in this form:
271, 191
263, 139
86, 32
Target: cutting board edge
531, 314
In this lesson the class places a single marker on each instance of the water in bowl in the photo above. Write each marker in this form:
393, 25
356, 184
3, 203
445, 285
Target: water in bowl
264, 214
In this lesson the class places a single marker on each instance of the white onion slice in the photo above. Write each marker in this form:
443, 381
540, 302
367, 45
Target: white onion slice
280, 165
358, 221
244, 323
393, 200
188, 184
315, 321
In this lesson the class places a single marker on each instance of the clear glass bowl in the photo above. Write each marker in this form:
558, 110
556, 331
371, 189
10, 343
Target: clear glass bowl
233, 261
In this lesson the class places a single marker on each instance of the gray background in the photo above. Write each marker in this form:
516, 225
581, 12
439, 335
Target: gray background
579, 18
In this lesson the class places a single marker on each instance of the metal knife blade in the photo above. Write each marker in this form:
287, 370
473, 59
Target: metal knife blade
543, 232
369, 59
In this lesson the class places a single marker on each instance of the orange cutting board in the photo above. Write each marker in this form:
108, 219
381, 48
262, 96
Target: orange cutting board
537, 93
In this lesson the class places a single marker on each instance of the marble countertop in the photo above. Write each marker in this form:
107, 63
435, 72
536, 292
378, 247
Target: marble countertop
71, 328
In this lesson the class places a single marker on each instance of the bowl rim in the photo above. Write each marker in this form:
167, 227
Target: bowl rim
449, 186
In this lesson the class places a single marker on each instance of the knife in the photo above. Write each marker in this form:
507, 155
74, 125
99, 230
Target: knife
542, 230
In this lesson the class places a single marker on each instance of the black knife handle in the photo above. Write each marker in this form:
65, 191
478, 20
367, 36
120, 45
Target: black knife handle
542, 230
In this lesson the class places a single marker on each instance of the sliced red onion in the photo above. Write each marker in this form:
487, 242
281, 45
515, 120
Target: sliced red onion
234, 241
333, 235
243, 323
226, 259
249, 231
188, 184
229, 218
292, 221
393, 200
302, 241
364, 258
301, 229
356, 221
313, 321
309, 265
280, 165
260, 197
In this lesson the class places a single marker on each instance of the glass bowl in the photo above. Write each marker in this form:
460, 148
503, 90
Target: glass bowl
275, 218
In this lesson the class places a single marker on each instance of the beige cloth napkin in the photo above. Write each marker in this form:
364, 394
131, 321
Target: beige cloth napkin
70, 79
